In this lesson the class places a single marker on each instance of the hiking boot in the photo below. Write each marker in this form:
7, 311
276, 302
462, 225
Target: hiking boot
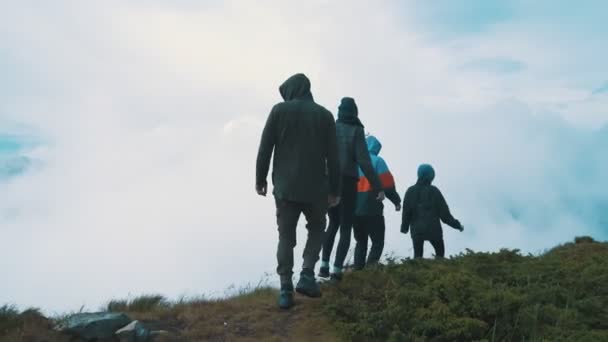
324, 272
286, 299
308, 286
335, 277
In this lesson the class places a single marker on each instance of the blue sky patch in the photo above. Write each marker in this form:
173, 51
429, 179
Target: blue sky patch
495, 65
601, 89
9, 145
451, 18
12, 161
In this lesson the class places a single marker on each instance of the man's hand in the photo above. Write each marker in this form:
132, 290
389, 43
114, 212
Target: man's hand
261, 189
333, 200
461, 228
381, 196
398, 207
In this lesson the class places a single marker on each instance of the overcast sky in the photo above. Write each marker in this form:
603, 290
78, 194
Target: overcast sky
129, 130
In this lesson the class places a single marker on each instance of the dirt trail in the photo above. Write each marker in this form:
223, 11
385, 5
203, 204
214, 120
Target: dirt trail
251, 318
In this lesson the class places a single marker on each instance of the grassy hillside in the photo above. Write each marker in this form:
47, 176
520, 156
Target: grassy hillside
561, 295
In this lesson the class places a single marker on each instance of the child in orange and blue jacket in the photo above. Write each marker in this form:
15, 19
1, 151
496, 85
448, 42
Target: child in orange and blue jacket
369, 218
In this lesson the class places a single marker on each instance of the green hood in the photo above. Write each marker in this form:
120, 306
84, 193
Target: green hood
297, 87
348, 113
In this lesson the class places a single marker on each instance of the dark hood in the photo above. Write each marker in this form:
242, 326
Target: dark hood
426, 174
348, 112
297, 87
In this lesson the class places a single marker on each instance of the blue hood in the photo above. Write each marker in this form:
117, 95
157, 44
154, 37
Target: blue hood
373, 145
426, 174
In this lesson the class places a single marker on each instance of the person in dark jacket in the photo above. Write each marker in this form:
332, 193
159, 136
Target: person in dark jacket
352, 153
306, 178
369, 218
423, 210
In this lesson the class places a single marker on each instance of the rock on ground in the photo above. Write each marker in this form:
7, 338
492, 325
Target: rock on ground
133, 332
90, 326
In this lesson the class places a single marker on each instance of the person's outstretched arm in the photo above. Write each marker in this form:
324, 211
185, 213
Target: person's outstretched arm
364, 160
265, 154
388, 182
444, 213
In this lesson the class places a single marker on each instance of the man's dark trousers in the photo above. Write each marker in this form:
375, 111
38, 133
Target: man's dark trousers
364, 228
437, 244
341, 218
288, 214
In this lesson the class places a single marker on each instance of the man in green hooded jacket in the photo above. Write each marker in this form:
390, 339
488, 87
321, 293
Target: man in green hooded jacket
305, 176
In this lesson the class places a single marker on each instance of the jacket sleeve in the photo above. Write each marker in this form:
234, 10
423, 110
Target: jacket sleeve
388, 181
365, 161
333, 169
265, 151
444, 212
407, 211
393, 196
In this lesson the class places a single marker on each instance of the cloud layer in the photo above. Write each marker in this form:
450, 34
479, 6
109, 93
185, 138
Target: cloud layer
146, 119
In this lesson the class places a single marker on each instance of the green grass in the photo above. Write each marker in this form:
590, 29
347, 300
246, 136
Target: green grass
560, 295
9, 318
28, 325
143, 303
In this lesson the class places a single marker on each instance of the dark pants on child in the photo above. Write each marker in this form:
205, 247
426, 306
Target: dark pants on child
373, 228
436, 243
288, 214
341, 218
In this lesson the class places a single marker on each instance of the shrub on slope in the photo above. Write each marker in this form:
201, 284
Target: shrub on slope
561, 295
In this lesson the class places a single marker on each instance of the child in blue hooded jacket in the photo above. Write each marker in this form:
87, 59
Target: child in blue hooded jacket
369, 218
424, 208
